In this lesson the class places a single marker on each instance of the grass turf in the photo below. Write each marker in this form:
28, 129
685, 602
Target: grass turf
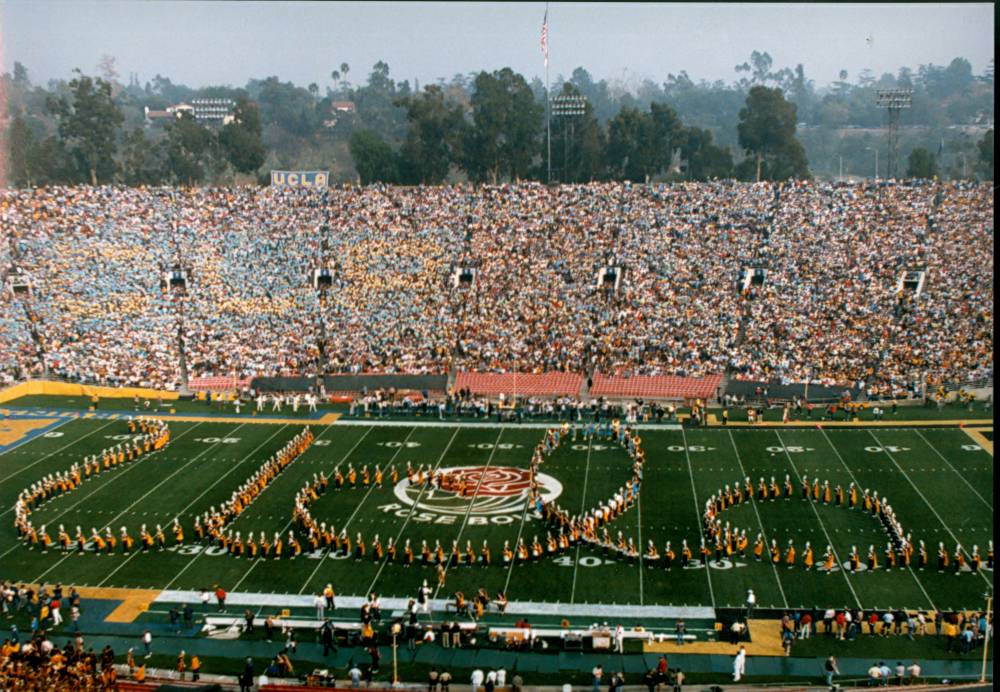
939, 482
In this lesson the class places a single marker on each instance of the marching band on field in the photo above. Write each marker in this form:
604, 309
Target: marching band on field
898, 553
563, 529
150, 435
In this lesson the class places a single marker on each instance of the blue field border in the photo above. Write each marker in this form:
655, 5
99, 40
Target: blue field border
120, 414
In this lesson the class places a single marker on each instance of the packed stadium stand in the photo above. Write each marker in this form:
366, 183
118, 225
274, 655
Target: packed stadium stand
831, 306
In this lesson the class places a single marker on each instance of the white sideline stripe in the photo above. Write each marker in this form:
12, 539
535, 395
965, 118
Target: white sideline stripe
131, 467
409, 515
819, 520
22, 469
583, 508
927, 502
190, 504
957, 472
468, 512
697, 509
388, 465
512, 425
836, 451
760, 522
514, 607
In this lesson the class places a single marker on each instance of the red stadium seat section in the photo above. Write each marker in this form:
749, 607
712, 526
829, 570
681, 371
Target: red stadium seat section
655, 386
521, 384
218, 384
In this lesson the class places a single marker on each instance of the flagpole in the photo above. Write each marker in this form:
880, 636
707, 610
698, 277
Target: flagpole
548, 105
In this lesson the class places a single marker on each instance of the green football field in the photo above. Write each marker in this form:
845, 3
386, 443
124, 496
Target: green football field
938, 480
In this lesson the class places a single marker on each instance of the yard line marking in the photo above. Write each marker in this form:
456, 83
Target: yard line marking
413, 508
94, 490
927, 502
952, 467
38, 579
520, 532
9, 476
258, 560
851, 474
760, 522
583, 508
829, 540
226, 474
357, 509
697, 511
218, 480
472, 503
641, 546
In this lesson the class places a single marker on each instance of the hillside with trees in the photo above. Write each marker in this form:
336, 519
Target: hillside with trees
488, 127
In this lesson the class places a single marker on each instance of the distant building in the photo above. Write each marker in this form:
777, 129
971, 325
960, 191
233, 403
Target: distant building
216, 111
339, 108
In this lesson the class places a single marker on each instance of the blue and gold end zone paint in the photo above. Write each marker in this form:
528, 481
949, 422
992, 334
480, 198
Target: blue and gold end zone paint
17, 428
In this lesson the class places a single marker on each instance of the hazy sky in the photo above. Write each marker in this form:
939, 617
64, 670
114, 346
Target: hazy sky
201, 43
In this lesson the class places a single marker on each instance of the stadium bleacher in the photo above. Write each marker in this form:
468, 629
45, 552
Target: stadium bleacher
831, 310
520, 384
656, 387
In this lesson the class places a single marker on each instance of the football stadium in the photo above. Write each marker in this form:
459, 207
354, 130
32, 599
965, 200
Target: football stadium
494, 425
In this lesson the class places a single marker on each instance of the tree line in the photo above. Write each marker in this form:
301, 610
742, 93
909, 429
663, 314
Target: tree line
490, 127
89, 144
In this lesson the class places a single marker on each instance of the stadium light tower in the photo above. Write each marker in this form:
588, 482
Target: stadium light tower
893, 101
875, 149
568, 107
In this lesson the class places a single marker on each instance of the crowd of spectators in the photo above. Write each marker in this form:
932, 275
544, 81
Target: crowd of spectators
829, 310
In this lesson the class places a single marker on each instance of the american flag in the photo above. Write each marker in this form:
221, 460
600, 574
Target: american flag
545, 36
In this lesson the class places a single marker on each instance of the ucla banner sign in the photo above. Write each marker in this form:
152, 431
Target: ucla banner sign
300, 178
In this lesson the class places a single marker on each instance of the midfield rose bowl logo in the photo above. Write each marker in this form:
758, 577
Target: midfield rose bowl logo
493, 490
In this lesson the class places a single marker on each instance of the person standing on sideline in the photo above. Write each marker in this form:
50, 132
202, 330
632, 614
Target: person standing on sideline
830, 669
147, 642
220, 596
320, 604
55, 606
751, 603
740, 664
620, 639
597, 674
477, 679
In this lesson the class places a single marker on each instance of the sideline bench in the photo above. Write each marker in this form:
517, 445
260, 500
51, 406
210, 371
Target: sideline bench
600, 639
216, 626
